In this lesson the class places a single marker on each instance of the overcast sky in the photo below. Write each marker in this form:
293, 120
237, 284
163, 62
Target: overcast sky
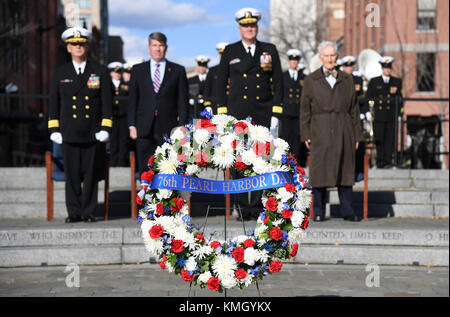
192, 27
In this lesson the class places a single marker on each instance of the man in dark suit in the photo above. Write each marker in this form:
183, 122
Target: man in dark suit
80, 118
293, 80
384, 91
120, 135
253, 71
197, 87
158, 99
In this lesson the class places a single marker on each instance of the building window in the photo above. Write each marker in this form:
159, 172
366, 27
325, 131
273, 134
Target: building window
85, 21
84, 4
426, 68
426, 15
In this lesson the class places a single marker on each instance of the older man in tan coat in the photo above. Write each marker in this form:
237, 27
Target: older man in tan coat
330, 128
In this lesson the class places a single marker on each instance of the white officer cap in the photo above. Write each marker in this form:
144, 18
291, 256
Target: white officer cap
221, 46
76, 35
115, 66
202, 60
386, 61
127, 67
348, 60
294, 54
339, 62
247, 16
301, 66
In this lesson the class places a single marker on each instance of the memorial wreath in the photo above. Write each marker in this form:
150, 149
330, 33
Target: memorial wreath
222, 142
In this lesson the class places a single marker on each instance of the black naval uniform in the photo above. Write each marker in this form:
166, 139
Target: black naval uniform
291, 113
80, 106
197, 89
359, 158
120, 139
256, 90
384, 96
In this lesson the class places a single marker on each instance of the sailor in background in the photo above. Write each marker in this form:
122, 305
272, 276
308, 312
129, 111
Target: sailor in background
293, 80
383, 92
120, 135
80, 118
211, 80
197, 88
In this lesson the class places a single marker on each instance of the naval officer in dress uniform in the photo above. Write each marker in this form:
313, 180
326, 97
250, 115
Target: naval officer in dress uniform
252, 69
80, 118
293, 80
197, 88
383, 91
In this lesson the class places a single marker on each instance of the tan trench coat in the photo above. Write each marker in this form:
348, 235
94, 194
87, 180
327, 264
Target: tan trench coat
329, 117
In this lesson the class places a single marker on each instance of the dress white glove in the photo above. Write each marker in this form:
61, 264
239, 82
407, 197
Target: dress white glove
56, 137
191, 101
274, 126
368, 116
102, 136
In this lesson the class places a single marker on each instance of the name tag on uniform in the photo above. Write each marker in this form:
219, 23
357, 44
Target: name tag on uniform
66, 81
93, 82
235, 61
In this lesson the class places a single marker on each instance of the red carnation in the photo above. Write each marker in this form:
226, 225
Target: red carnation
201, 158
287, 214
162, 265
239, 164
179, 203
276, 233
160, 209
156, 231
164, 258
290, 188
138, 200
261, 148
186, 276
275, 266
241, 127
249, 243
294, 251
151, 160
215, 244
205, 124
240, 274
271, 204
305, 222
200, 237
234, 144
177, 246
301, 170
213, 284
182, 157
238, 254
147, 176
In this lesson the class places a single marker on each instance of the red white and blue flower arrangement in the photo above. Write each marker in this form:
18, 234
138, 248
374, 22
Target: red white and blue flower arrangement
221, 141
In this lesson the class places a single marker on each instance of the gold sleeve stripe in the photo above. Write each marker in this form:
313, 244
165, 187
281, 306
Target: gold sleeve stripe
107, 123
207, 103
222, 110
277, 109
53, 124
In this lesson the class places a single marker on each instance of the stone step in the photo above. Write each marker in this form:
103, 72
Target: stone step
397, 210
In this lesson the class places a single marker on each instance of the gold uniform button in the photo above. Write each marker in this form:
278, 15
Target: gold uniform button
257, 98
297, 96
87, 116
117, 93
228, 92
245, 87
381, 101
117, 102
290, 96
74, 97
245, 75
258, 75
258, 86
291, 90
297, 90
74, 107
86, 98
245, 97
388, 101
74, 116
379, 108
387, 108
228, 86
87, 107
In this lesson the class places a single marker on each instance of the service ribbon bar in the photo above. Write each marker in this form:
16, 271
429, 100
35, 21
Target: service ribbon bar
241, 185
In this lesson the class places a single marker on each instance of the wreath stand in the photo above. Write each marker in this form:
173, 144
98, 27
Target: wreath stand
225, 230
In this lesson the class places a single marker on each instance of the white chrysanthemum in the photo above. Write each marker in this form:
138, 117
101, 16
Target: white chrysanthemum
204, 277
223, 156
251, 255
227, 140
180, 233
263, 256
303, 199
201, 136
283, 194
248, 280
190, 264
241, 238
260, 228
168, 166
228, 281
177, 134
296, 235
192, 169
143, 215
297, 218
221, 121
260, 166
202, 252
154, 246
259, 133
169, 267
278, 222
277, 154
163, 194
224, 266
162, 149
281, 144
248, 157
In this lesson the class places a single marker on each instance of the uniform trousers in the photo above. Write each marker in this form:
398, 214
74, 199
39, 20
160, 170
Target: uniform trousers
289, 132
83, 168
384, 133
120, 142
345, 198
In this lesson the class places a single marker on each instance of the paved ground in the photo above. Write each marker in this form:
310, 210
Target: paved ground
294, 280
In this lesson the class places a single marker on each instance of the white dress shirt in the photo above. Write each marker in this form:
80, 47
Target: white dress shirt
116, 83
162, 69
385, 79
330, 78
78, 66
293, 73
252, 48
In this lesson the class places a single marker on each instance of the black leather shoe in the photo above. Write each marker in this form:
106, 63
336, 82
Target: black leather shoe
352, 218
89, 219
73, 219
319, 218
